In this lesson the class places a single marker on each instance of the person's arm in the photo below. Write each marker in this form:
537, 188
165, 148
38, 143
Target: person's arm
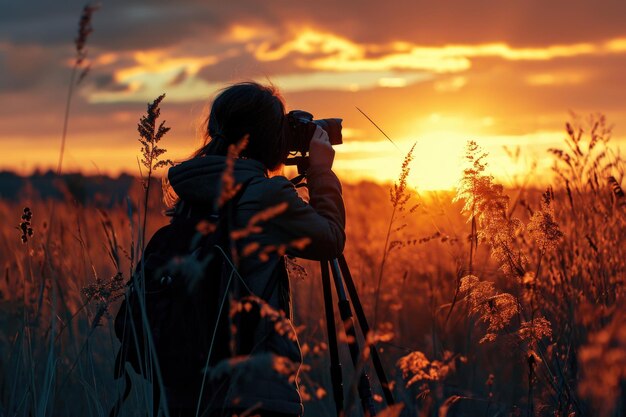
323, 220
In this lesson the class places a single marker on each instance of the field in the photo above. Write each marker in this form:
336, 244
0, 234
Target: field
491, 301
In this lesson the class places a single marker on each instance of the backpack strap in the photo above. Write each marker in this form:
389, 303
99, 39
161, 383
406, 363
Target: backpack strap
128, 384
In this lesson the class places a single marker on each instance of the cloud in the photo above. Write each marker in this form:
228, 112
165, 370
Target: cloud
616, 45
133, 25
309, 59
485, 68
353, 81
190, 48
143, 24
188, 89
556, 78
518, 23
309, 42
328, 51
25, 67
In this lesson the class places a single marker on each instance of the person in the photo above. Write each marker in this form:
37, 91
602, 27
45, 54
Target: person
313, 230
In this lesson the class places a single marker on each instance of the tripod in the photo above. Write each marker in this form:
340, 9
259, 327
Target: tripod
341, 273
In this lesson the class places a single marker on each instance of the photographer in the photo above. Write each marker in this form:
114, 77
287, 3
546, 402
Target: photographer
313, 231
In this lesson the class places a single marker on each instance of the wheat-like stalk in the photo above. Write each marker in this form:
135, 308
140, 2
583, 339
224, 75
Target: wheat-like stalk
399, 197
149, 137
84, 30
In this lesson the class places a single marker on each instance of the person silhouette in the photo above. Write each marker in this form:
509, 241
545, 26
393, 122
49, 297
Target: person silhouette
312, 230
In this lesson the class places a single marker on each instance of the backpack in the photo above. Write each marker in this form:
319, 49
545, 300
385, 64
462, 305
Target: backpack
178, 292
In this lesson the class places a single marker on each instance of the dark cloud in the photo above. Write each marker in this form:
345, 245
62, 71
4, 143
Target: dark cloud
27, 67
103, 81
518, 22
118, 26
145, 26
141, 24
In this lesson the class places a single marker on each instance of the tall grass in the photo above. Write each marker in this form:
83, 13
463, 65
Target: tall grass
537, 326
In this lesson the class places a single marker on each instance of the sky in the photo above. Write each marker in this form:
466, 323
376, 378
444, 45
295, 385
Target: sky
435, 74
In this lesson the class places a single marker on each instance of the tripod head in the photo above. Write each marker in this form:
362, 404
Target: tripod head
301, 162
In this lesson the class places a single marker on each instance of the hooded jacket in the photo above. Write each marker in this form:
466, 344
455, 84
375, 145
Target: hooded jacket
289, 220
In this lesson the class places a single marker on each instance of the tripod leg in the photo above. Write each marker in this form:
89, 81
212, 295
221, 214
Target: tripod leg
335, 365
365, 388
365, 328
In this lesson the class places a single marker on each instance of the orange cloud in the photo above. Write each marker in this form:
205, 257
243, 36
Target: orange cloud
160, 62
616, 45
310, 41
243, 33
342, 54
449, 58
160, 70
322, 60
556, 78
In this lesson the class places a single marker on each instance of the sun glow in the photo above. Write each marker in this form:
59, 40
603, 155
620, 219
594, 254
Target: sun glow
438, 157
436, 163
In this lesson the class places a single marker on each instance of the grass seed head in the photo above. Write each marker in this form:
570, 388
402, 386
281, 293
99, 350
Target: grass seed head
84, 30
25, 225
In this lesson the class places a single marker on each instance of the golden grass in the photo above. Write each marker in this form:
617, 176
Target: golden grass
486, 307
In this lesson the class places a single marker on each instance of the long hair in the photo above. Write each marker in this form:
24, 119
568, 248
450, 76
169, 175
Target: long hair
252, 109
246, 108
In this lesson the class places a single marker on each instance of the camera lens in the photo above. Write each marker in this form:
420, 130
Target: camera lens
333, 128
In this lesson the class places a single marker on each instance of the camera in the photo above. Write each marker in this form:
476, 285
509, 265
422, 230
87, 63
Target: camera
300, 127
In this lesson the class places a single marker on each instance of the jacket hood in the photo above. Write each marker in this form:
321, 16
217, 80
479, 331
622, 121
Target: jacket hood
198, 180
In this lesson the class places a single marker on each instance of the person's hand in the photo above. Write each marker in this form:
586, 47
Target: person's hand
321, 152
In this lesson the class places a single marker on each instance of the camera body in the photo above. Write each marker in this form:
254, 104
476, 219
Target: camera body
300, 128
